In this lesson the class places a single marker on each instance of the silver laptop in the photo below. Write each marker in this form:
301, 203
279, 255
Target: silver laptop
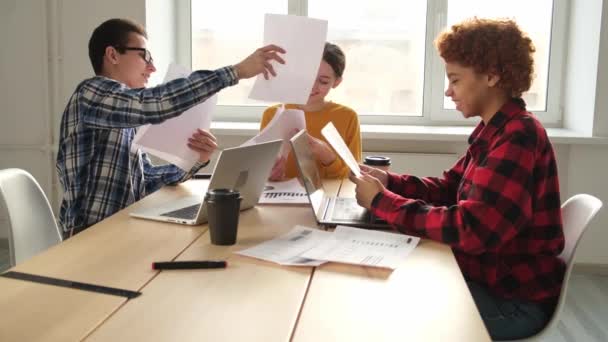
328, 210
242, 168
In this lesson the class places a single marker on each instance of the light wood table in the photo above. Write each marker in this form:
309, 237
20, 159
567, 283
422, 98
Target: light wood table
249, 300
116, 252
425, 299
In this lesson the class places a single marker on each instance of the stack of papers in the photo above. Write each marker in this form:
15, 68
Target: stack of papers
304, 246
287, 192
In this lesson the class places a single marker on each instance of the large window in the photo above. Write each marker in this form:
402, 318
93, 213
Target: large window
393, 72
229, 32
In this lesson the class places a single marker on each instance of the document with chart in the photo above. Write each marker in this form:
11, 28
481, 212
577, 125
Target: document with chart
364, 247
287, 192
288, 249
305, 246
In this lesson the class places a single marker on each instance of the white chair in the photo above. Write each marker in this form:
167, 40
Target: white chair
32, 224
577, 212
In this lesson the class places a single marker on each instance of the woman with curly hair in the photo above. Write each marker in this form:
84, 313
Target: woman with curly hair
498, 207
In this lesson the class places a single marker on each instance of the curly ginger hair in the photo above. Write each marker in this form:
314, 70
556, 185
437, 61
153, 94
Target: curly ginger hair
492, 46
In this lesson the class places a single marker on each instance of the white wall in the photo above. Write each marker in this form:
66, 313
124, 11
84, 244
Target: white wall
581, 70
24, 110
161, 36
34, 93
600, 124
587, 174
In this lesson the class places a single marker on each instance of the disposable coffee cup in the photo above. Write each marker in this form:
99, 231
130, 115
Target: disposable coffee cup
223, 209
379, 162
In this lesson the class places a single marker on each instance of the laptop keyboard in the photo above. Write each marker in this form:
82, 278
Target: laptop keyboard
188, 213
347, 209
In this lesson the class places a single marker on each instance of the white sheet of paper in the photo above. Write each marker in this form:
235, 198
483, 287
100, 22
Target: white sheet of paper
364, 247
303, 40
282, 125
287, 249
335, 140
287, 192
169, 139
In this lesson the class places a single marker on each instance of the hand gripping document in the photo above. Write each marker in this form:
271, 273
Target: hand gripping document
335, 140
169, 139
303, 39
282, 125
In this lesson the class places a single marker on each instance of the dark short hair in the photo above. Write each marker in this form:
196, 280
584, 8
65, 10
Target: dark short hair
334, 56
495, 46
112, 32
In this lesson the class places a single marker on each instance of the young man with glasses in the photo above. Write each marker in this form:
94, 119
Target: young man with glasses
98, 172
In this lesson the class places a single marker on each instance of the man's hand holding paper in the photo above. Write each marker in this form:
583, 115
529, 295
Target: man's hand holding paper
177, 140
259, 62
204, 143
303, 38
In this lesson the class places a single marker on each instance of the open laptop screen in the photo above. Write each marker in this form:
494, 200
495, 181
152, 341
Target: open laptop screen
309, 174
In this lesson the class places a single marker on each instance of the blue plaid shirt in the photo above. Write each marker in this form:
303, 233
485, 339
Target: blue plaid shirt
99, 174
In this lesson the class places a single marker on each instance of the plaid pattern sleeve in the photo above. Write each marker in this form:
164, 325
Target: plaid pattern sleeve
432, 190
157, 176
105, 103
98, 172
504, 225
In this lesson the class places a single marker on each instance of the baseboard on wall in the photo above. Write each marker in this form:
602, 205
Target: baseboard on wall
585, 268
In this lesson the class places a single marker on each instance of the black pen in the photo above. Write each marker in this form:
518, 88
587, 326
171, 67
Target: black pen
188, 265
201, 176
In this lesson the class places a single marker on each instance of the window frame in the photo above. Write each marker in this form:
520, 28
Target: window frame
552, 116
433, 113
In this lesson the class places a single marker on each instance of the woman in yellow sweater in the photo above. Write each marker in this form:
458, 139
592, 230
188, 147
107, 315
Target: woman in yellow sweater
318, 112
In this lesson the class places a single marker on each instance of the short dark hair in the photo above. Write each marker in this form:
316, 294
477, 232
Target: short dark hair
491, 46
334, 56
112, 32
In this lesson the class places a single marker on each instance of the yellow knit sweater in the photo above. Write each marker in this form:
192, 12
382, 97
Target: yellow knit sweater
347, 124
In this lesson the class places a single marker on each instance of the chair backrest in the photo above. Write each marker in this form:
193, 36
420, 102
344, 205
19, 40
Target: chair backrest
577, 212
32, 224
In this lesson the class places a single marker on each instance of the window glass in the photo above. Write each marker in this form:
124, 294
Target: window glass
384, 44
533, 17
225, 35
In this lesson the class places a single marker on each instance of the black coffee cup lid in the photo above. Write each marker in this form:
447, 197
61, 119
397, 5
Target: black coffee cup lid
222, 193
377, 160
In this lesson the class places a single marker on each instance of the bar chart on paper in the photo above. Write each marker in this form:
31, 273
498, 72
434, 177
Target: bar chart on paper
287, 192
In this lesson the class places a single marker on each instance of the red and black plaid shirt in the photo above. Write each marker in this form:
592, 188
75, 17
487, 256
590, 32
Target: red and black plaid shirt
498, 207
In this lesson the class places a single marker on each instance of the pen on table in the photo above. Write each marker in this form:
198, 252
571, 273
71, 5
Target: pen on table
188, 265
201, 176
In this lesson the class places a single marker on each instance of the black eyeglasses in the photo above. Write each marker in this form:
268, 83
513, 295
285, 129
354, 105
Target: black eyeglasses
146, 56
